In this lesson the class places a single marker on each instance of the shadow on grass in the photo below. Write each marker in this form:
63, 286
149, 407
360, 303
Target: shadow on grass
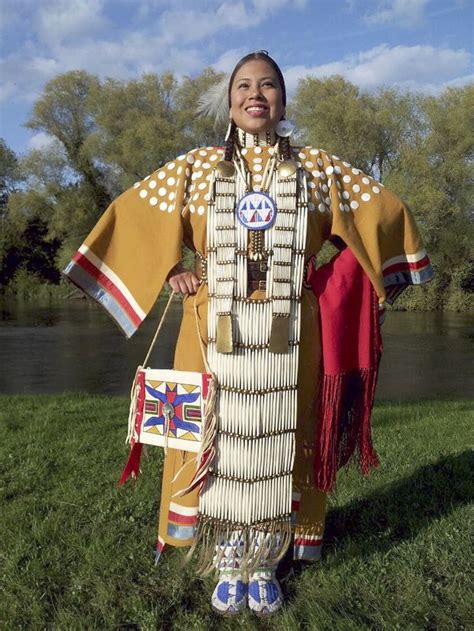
375, 523
399, 511
388, 516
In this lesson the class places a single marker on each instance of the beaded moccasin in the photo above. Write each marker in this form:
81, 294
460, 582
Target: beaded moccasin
264, 593
230, 595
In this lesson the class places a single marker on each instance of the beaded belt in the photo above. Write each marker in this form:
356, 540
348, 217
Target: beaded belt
257, 272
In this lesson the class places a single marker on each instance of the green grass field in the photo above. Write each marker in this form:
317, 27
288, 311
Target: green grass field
76, 552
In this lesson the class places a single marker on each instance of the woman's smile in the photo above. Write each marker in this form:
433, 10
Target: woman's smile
257, 110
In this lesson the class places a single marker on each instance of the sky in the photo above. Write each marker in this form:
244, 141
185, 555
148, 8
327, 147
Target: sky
425, 45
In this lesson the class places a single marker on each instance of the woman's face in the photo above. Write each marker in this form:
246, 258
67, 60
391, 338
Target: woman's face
256, 97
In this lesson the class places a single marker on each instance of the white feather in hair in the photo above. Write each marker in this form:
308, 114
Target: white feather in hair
214, 103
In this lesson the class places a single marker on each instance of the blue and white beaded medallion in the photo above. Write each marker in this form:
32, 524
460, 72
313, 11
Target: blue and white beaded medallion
256, 211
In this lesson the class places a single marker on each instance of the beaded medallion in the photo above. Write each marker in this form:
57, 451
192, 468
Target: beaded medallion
256, 211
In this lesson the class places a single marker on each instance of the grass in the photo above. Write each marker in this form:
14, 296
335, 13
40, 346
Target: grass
76, 552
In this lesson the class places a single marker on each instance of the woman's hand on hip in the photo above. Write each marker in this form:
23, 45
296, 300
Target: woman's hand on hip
183, 281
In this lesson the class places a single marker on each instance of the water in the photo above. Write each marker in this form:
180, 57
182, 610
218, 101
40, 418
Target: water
75, 347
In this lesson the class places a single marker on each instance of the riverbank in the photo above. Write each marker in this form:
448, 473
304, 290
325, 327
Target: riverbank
433, 296
77, 552
411, 300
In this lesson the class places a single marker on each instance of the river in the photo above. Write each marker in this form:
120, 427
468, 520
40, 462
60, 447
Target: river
74, 347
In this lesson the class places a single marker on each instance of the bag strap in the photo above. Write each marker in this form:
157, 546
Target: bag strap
160, 324
201, 343
158, 329
135, 387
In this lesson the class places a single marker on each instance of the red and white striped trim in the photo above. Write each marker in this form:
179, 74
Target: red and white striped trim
110, 282
186, 515
307, 548
308, 540
403, 270
416, 261
295, 502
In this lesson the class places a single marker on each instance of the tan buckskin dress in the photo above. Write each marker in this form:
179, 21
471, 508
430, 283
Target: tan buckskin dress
125, 260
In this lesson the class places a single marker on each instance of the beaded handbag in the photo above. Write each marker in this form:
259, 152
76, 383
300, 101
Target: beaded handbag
168, 409
171, 409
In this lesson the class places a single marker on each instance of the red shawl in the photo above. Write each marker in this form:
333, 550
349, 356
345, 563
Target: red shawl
351, 348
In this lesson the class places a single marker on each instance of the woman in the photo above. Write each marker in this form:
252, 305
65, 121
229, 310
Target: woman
254, 212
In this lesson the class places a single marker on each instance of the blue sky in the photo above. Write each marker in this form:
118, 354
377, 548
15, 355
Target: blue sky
411, 44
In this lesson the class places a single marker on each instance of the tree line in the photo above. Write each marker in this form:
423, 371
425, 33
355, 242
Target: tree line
107, 134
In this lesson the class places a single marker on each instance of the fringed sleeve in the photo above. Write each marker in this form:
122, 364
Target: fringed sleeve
125, 260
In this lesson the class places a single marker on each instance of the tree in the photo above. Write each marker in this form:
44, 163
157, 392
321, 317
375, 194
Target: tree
144, 123
436, 176
9, 181
64, 112
333, 113
32, 253
137, 129
24, 233
368, 130
8, 173
108, 135
396, 122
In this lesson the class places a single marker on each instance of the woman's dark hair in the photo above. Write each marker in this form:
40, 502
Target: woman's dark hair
264, 56
256, 56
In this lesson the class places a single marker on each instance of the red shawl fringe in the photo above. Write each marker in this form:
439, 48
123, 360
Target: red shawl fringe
344, 425
351, 348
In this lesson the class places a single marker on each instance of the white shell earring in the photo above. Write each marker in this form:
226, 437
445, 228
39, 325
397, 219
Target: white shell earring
285, 128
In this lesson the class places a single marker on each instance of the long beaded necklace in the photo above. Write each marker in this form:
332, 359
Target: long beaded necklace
253, 349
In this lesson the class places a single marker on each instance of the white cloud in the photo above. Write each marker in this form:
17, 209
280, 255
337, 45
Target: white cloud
43, 141
265, 7
22, 76
190, 25
228, 60
44, 66
406, 13
7, 90
421, 68
62, 20
136, 54
459, 82
74, 34
184, 41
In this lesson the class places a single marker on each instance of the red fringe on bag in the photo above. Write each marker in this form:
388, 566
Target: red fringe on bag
132, 468
351, 348
137, 405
